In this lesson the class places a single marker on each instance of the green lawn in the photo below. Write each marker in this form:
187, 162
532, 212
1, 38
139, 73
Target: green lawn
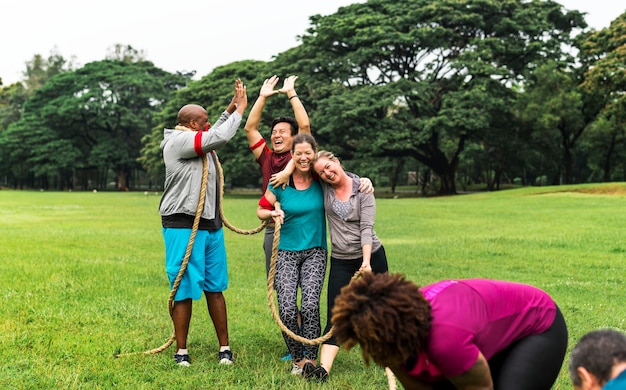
82, 278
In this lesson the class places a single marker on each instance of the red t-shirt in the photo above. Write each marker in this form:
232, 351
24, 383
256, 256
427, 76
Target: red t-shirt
270, 162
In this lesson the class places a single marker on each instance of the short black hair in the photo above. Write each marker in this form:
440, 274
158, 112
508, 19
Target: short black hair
286, 119
597, 351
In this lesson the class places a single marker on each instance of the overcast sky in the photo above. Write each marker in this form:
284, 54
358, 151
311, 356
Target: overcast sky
181, 35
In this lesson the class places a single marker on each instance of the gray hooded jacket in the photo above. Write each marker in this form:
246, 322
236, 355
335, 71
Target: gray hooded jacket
183, 167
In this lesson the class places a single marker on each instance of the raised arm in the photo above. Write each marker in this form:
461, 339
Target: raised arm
238, 103
299, 112
254, 118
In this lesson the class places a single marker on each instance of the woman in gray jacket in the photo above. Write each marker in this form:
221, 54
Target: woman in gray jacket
354, 244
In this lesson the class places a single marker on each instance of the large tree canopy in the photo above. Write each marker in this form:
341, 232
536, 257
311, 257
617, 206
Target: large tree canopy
442, 70
445, 92
91, 118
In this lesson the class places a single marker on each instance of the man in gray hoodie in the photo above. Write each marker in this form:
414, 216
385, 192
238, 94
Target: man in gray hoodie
184, 149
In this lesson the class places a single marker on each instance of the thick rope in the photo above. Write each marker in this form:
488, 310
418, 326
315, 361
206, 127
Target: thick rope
183, 266
391, 379
270, 296
224, 220
270, 279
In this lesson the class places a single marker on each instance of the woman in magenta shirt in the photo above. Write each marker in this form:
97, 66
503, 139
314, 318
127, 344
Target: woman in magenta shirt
454, 334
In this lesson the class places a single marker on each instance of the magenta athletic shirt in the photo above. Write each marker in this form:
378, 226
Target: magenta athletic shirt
477, 315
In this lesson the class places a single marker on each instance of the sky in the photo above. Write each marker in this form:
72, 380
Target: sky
184, 35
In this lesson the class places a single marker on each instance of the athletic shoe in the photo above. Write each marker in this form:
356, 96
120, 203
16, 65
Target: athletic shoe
226, 357
307, 370
320, 374
182, 360
286, 356
296, 369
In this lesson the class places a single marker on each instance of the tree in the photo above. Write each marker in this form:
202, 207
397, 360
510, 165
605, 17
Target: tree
552, 105
39, 70
603, 57
213, 92
438, 65
125, 53
93, 117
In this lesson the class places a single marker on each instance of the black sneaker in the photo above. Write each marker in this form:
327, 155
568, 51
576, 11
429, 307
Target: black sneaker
320, 374
307, 370
226, 357
182, 360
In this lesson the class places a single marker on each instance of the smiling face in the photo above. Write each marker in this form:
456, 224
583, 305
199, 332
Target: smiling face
302, 155
328, 169
281, 137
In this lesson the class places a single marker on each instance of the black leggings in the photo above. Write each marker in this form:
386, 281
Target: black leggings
341, 272
305, 269
532, 363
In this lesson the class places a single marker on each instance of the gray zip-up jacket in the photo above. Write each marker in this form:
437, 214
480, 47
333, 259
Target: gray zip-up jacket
347, 236
183, 167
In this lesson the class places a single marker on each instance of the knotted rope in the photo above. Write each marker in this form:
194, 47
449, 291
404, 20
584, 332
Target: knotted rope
270, 278
391, 379
270, 296
183, 266
220, 173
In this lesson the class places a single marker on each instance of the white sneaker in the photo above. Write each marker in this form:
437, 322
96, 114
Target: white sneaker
226, 357
296, 369
182, 360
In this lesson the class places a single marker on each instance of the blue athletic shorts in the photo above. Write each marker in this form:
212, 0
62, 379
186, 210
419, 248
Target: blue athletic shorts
206, 270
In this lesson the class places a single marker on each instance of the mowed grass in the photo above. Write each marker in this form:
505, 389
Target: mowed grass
82, 279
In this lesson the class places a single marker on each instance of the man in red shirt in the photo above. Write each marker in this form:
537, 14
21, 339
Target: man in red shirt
284, 129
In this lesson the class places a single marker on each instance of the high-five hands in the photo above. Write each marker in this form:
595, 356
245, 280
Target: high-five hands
289, 85
267, 89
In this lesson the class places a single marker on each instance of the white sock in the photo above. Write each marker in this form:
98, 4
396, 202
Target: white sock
224, 348
182, 352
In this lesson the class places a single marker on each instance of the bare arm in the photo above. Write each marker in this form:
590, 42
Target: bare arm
476, 378
289, 87
367, 256
277, 214
232, 106
282, 178
254, 118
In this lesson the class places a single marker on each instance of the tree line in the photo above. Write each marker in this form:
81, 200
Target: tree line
442, 95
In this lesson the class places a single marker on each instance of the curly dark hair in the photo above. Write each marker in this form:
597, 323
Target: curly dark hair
286, 119
385, 314
598, 351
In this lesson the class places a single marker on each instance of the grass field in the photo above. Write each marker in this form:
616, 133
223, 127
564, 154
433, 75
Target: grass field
82, 278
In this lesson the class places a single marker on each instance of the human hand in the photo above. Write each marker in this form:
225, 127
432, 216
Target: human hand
365, 185
365, 267
240, 98
278, 215
232, 106
289, 85
280, 179
268, 87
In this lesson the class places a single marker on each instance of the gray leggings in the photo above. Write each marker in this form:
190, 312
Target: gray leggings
305, 269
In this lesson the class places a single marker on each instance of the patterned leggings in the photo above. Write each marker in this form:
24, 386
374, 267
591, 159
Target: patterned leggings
305, 269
